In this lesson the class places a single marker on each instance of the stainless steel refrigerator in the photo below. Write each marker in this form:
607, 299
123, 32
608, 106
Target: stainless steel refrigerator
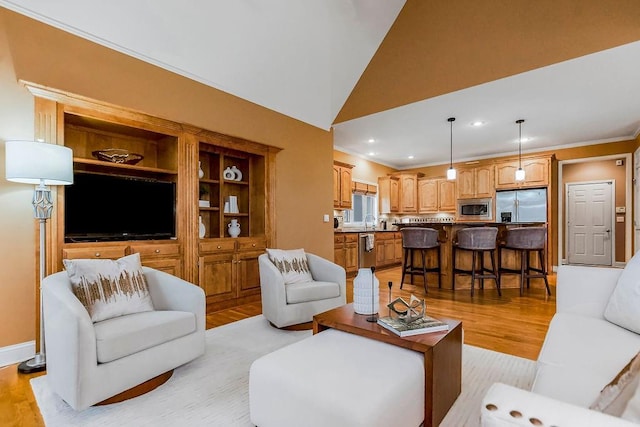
521, 205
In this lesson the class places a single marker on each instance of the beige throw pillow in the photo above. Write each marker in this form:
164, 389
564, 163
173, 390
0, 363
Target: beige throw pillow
614, 397
292, 264
109, 288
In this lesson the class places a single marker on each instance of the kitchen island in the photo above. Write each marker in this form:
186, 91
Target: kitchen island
446, 235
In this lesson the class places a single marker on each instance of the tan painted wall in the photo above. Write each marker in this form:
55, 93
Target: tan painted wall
364, 170
17, 263
59, 60
595, 171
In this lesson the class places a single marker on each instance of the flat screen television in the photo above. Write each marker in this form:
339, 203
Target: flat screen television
108, 207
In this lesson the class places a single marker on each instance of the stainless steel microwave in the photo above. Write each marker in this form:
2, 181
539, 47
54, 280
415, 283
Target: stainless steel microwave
475, 209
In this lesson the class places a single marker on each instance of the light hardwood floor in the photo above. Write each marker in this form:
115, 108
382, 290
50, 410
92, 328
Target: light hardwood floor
510, 324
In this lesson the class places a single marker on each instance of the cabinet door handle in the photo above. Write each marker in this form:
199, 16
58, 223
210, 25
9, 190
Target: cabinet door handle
97, 255
253, 245
219, 247
157, 251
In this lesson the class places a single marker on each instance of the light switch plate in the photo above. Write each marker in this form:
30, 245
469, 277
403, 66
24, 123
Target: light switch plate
621, 209
325, 218
619, 219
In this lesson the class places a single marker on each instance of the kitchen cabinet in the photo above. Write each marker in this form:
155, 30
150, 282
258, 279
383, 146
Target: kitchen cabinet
345, 251
436, 195
475, 182
399, 251
536, 173
408, 193
389, 194
342, 173
387, 245
427, 195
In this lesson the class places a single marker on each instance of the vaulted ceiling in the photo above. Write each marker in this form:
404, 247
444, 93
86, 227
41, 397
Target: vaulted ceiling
393, 71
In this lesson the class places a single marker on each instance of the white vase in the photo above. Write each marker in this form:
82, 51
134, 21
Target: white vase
362, 288
234, 228
229, 175
202, 230
200, 171
237, 172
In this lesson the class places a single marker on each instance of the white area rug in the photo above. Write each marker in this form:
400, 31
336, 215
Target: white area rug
214, 389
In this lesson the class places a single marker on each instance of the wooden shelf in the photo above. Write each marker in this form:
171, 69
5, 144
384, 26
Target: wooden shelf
108, 165
236, 214
227, 182
210, 209
209, 181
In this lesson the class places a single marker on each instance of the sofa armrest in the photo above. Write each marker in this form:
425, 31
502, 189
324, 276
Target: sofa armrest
324, 270
585, 290
507, 402
69, 337
169, 292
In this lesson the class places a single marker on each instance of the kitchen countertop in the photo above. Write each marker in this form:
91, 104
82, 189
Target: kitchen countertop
469, 223
361, 230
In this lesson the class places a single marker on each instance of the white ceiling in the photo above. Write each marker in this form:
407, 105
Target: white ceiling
595, 98
303, 59
299, 58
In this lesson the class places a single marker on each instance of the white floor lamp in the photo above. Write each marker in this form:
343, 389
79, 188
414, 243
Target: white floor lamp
40, 164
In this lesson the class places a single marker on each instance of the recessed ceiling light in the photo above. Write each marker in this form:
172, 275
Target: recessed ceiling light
371, 140
477, 123
411, 157
371, 153
523, 140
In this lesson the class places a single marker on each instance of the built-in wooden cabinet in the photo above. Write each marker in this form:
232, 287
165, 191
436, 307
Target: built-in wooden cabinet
436, 195
194, 160
345, 251
536, 173
389, 194
475, 182
342, 173
229, 268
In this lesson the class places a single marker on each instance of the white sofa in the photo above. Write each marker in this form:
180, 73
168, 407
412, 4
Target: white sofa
581, 354
134, 348
286, 305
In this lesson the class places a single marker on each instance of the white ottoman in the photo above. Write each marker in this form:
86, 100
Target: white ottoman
335, 379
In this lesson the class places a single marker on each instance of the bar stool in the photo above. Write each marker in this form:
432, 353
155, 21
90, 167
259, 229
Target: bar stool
526, 240
478, 240
421, 239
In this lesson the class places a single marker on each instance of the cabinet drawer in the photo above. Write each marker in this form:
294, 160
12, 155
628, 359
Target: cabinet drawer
217, 246
101, 252
155, 250
384, 236
351, 237
251, 244
338, 239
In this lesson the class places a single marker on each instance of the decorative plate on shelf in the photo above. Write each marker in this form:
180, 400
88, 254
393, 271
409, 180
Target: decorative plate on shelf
117, 155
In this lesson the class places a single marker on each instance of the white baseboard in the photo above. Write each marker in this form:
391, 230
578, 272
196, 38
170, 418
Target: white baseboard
17, 353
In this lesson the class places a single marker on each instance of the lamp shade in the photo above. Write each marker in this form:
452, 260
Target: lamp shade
31, 162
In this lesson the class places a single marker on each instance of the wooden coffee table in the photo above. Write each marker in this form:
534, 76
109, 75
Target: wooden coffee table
442, 355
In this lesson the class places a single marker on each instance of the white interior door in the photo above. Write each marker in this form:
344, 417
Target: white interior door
590, 223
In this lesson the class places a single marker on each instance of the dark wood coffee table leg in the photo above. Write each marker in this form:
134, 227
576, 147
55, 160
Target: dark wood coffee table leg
443, 377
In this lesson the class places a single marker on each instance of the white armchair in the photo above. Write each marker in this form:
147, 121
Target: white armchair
88, 363
286, 305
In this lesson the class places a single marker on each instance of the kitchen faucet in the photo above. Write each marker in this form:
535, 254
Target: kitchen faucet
373, 218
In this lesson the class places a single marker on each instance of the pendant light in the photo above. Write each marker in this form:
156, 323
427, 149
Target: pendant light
451, 172
520, 171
